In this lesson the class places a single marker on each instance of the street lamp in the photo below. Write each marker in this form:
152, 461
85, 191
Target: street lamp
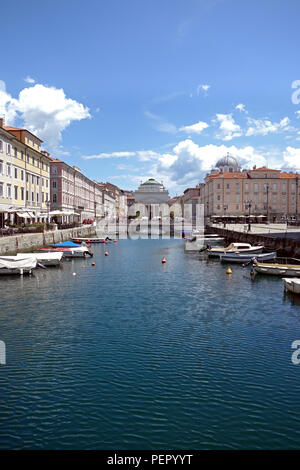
267, 188
249, 221
225, 216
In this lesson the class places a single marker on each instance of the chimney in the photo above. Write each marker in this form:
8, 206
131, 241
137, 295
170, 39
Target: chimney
254, 168
2, 121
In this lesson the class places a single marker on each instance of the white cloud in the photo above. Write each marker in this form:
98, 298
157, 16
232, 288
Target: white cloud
44, 110
101, 156
241, 107
265, 126
291, 157
195, 128
228, 129
29, 79
202, 88
297, 114
189, 162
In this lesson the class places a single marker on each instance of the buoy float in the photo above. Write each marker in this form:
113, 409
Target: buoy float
115, 241
252, 273
74, 274
229, 270
77, 241
163, 260
106, 253
93, 263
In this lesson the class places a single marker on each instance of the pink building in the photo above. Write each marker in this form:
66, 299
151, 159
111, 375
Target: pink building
71, 190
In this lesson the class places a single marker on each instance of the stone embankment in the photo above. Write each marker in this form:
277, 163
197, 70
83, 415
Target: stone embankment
31, 241
285, 247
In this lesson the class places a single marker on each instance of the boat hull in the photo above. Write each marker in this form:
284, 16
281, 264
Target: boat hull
251, 251
244, 258
277, 270
292, 285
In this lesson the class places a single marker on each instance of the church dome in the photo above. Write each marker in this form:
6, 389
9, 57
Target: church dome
228, 164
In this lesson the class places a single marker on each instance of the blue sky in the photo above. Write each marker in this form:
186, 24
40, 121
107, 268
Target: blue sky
129, 89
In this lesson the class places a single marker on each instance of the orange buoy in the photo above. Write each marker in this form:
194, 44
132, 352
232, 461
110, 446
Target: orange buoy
115, 241
163, 260
106, 253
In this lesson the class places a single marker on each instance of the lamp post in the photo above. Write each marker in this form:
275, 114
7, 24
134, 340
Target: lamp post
225, 216
267, 188
249, 221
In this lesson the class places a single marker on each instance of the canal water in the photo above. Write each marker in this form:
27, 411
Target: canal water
133, 354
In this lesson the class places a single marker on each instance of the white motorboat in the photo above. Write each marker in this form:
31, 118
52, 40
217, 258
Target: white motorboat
46, 259
289, 267
243, 248
246, 258
17, 266
200, 240
292, 285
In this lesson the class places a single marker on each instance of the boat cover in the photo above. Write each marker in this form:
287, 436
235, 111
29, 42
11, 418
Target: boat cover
67, 244
28, 263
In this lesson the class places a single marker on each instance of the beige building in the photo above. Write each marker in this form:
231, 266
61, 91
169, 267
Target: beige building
24, 174
230, 191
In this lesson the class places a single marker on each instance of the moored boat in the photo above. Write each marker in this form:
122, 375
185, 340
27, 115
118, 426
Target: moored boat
46, 259
289, 267
198, 242
91, 240
246, 258
292, 285
17, 266
244, 248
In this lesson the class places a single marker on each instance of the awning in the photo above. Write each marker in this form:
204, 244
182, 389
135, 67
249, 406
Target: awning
26, 215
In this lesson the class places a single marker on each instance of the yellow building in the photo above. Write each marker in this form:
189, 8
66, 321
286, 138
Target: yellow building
24, 172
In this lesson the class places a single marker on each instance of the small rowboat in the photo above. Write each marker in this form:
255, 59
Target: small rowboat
289, 267
292, 285
246, 258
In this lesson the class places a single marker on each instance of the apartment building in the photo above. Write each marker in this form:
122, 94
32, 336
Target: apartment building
24, 172
229, 190
72, 191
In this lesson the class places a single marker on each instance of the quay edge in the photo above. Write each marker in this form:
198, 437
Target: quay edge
30, 241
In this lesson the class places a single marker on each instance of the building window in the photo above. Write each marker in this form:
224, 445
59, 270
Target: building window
16, 192
37, 197
16, 152
1, 190
1, 167
9, 191
27, 196
32, 179
22, 175
1, 146
22, 155
8, 169
22, 194
43, 197
16, 173
54, 184
27, 158
54, 198
33, 161
32, 196
8, 149
37, 180
27, 178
